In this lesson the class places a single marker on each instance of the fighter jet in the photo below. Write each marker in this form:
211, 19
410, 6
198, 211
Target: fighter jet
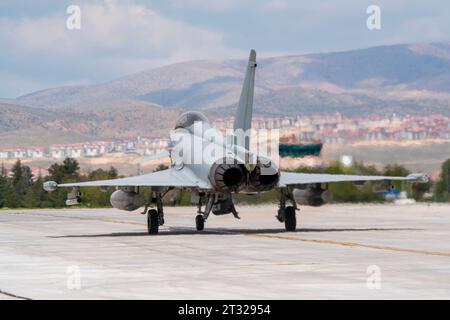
213, 179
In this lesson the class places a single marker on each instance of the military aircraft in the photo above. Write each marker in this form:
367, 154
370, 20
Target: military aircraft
236, 169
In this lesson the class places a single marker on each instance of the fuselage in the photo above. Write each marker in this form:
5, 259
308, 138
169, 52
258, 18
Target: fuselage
217, 159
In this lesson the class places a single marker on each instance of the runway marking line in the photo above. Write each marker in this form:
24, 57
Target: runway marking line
354, 244
13, 295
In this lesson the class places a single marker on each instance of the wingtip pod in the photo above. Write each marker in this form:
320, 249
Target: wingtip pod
50, 186
418, 177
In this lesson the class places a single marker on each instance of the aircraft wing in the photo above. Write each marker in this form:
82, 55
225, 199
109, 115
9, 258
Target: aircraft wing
165, 178
293, 178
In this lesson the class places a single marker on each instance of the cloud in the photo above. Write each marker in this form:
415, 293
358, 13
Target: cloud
119, 37
214, 6
116, 38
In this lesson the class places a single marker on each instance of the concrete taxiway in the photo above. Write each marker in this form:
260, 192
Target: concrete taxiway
339, 252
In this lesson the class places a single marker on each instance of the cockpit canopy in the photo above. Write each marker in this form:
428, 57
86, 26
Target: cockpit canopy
187, 119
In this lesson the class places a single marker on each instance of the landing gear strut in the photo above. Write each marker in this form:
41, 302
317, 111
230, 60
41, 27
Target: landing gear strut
155, 217
203, 215
287, 214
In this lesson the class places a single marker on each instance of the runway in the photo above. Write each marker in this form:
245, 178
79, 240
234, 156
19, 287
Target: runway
338, 252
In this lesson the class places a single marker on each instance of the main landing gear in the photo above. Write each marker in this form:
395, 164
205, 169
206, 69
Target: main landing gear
220, 204
287, 214
290, 220
152, 221
155, 217
199, 222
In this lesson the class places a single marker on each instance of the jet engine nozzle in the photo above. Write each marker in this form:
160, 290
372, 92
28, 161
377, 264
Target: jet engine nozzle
265, 176
227, 175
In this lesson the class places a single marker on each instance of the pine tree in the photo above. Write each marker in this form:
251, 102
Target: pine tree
3, 191
3, 170
68, 171
112, 173
22, 180
442, 190
8, 198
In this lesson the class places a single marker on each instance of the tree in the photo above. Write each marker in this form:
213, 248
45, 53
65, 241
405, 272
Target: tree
113, 173
419, 189
71, 166
68, 171
8, 197
21, 180
395, 170
4, 192
3, 170
36, 196
92, 197
442, 190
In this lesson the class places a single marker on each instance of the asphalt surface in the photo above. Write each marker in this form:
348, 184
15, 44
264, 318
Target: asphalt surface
338, 252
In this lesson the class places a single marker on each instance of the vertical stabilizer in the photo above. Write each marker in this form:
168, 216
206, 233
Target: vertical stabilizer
244, 112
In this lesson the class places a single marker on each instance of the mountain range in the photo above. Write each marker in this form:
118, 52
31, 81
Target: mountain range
403, 79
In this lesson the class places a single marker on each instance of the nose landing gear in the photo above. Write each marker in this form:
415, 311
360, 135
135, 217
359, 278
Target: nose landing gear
217, 203
203, 215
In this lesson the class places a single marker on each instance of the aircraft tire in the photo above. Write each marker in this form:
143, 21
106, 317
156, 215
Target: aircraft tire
290, 221
152, 221
199, 222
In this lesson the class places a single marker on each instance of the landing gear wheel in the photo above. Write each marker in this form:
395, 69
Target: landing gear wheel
199, 222
153, 221
290, 221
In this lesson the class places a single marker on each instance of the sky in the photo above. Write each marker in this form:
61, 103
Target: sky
121, 37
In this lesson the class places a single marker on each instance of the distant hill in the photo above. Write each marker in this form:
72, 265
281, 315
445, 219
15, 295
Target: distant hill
14, 116
405, 79
24, 126
386, 72
301, 101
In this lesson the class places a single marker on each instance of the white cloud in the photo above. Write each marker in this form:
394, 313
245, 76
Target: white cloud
214, 6
116, 38
119, 37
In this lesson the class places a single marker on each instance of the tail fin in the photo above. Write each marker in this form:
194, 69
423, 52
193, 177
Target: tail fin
243, 118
